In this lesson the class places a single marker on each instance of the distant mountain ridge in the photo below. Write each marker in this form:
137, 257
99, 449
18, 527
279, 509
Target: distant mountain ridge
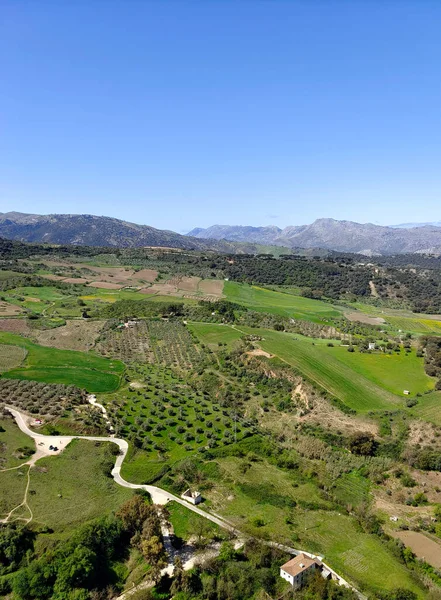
330, 234
325, 234
92, 230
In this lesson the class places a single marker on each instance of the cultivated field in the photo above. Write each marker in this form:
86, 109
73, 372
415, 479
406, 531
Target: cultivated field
11, 357
89, 371
75, 335
213, 334
316, 361
280, 303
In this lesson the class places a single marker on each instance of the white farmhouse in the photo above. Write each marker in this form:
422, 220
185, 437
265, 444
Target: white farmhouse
296, 570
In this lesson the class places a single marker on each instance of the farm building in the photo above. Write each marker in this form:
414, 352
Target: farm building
296, 570
371, 345
193, 497
406, 392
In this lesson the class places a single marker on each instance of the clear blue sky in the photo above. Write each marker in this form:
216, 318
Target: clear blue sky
189, 113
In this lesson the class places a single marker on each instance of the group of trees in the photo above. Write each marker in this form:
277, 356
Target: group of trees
81, 567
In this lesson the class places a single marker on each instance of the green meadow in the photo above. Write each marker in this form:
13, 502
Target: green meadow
394, 372
429, 408
280, 303
279, 501
74, 487
328, 368
85, 370
212, 334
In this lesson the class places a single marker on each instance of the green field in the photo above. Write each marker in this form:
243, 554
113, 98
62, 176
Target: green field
393, 372
261, 493
321, 365
429, 408
212, 333
403, 320
85, 370
280, 303
186, 523
69, 489
11, 439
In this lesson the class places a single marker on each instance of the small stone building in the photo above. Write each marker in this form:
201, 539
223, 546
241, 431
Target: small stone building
193, 497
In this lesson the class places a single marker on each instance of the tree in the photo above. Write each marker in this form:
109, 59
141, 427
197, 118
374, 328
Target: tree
133, 513
363, 444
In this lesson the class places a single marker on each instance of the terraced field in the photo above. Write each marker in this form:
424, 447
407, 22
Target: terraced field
11, 357
212, 334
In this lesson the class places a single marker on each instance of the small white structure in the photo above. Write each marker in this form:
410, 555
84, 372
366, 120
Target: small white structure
297, 569
394, 519
192, 497
371, 345
406, 392
131, 323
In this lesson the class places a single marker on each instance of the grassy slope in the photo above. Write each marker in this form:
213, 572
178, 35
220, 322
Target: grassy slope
10, 440
212, 333
279, 303
89, 371
319, 364
86, 492
429, 408
395, 372
359, 556
185, 522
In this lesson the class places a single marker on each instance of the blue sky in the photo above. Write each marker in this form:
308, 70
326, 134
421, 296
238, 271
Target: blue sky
189, 113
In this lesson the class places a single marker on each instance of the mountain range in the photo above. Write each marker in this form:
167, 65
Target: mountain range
326, 234
92, 230
330, 234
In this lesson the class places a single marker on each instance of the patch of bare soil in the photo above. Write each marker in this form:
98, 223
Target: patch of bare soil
148, 275
166, 289
75, 335
14, 326
9, 310
363, 318
147, 291
259, 352
213, 287
54, 277
189, 284
422, 546
425, 434
104, 285
75, 280
136, 385
373, 289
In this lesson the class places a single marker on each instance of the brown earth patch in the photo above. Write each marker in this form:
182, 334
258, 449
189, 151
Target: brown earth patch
148, 275
422, 546
14, 326
54, 277
31, 299
147, 291
9, 310
105, 285
363, 318
75, 280
189, 284
259, 352
75, 335
214, 287
166, 289
424, 434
